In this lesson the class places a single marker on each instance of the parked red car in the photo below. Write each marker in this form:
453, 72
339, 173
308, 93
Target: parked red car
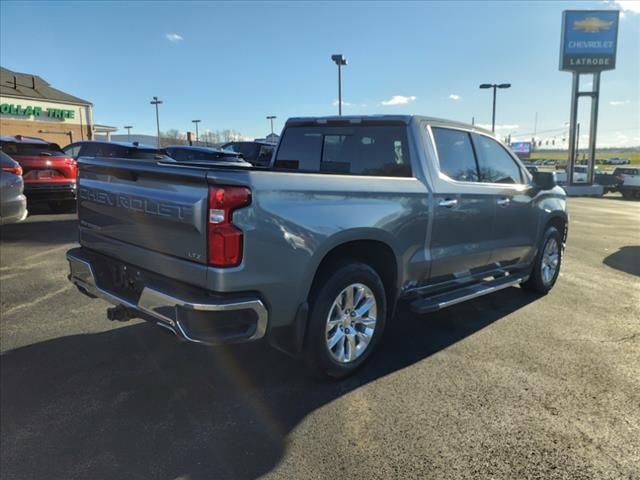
49, 174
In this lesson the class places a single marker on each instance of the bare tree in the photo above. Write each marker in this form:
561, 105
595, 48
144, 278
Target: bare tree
172, 137
207, 138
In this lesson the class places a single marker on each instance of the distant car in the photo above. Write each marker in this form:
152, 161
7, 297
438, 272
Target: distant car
98, 148
13, 203
532, 169
579, 175
618, 161
49, 174
256, 153
185, 153
630, 187
550, 162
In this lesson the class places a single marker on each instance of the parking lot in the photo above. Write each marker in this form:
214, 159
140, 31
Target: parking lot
508, 386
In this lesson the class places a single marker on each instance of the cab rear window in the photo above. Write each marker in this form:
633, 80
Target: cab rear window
363, 150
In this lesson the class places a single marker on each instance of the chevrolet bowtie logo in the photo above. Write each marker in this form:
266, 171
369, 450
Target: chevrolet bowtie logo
591, 25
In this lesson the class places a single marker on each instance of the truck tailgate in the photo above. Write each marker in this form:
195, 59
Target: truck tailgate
140, 203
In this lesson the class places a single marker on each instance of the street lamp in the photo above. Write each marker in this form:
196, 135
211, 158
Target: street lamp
128, 127
339, 60
196, 122
494, 86
271, 118
157, 102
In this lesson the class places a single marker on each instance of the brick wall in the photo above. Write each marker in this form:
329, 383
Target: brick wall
31, 128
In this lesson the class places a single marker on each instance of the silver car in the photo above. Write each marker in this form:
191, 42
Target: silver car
13, 203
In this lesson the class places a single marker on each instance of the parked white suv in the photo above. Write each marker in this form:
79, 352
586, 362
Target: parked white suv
579, 175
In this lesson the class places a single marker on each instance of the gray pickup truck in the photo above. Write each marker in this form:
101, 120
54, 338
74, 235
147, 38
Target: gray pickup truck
314, 252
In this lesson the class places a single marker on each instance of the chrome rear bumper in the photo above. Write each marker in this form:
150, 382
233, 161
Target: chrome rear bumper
165, 307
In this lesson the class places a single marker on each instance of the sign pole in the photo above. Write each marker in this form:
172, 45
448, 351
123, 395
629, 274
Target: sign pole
573, 120
589, 42
593, 126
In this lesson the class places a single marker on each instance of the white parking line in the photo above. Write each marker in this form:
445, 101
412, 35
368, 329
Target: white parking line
32, 257
41, 299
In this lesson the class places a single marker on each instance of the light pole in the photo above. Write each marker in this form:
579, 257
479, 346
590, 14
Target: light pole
157, 102
494, 86
196, 122
128, 127
271, 118
339, 60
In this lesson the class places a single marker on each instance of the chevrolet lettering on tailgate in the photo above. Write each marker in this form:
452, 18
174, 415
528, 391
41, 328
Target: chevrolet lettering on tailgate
137, 204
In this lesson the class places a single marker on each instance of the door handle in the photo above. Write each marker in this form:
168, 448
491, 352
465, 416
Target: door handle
503, 202
448, 203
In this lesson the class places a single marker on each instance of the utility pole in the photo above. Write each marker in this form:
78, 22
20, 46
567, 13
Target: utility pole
128, 127
495, 86
271, 118
196, 122
340, 61
157, 102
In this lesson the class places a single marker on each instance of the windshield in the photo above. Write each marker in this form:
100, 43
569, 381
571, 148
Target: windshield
32, 149
249, 150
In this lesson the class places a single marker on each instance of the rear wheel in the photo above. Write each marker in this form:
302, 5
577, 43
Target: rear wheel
548, 261
346, 320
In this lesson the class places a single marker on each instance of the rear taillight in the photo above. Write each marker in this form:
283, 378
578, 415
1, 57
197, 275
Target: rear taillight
14, 170
224, 238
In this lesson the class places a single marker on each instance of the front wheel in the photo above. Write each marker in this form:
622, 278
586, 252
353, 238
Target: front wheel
546, 267
346, 321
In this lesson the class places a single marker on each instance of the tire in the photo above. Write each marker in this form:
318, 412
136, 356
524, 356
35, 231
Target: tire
324, 320
540, 281
63, 206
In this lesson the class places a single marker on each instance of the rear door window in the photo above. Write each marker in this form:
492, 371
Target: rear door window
455, 154
363, 150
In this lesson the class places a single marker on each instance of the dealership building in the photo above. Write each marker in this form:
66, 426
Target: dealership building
32, 107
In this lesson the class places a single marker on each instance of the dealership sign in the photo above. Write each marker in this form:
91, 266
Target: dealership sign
589, 40
521, 147
29, 110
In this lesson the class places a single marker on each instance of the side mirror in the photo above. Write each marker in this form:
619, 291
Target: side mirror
544, 180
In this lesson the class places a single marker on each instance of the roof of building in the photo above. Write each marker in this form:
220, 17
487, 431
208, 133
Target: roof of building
99, 128
26, 85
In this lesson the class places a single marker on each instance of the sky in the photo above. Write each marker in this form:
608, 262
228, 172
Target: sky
232, 64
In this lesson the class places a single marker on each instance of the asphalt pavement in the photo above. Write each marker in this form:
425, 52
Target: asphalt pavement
509, 386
